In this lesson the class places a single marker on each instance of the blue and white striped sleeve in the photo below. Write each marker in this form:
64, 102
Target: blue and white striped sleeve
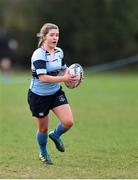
64, 66
40, 67
39, 63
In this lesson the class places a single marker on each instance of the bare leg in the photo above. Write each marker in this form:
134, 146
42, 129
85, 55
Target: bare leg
64, 114
42, 124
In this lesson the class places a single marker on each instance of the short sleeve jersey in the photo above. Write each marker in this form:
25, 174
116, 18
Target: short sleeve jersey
42, 62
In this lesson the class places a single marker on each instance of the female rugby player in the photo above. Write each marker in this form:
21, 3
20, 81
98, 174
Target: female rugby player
45, 92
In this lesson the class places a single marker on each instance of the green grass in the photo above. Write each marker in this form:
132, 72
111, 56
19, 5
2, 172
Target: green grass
103, 142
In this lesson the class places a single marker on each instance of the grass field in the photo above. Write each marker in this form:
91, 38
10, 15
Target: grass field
102, 144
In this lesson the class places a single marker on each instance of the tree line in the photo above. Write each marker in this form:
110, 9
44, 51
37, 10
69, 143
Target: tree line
91, 31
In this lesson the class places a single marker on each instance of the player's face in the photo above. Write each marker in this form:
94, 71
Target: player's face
51, 38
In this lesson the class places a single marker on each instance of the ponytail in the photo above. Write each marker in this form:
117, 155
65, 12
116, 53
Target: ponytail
40, 42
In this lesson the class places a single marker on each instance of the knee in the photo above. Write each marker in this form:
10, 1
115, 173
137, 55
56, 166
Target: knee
43, 130
68, 124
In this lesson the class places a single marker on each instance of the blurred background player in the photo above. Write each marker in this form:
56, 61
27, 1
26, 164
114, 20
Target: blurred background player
5, 65
5, 56
7, 45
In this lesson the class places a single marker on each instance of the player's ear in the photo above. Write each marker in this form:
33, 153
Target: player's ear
44, 37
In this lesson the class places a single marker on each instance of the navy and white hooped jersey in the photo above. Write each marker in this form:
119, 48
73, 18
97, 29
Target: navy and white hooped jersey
42, 62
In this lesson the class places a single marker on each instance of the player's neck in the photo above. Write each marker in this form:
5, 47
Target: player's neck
47, 48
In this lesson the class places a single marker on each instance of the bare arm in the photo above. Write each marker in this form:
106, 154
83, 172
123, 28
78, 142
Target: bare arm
64, 71
51, 79
56, 79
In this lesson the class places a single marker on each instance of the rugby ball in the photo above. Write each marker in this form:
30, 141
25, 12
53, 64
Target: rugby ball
77, 71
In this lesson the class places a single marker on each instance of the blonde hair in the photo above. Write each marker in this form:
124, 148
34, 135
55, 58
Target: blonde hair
44, 30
